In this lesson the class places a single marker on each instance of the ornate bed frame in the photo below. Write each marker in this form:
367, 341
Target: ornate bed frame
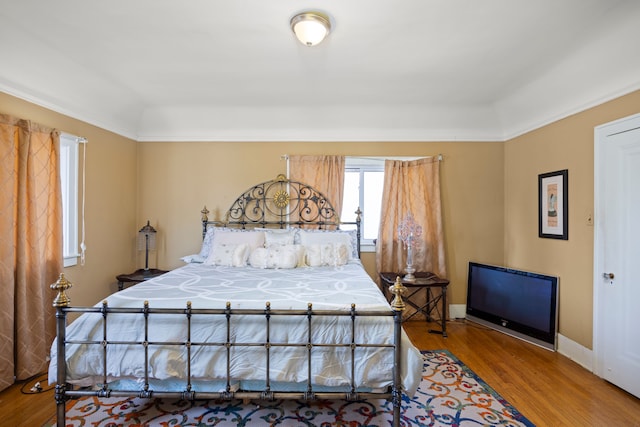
282, 203
279, 203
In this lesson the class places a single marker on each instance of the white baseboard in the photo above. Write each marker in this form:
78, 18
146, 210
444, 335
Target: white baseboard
571, 349
457, 311
576, 352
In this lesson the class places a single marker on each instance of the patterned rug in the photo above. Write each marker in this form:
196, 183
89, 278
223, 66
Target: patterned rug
450, 394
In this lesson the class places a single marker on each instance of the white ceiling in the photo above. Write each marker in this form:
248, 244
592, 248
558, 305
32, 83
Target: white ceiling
401, 70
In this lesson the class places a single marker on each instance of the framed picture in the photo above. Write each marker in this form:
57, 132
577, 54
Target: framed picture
553, 208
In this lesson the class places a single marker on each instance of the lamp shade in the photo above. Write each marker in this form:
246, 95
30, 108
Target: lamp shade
310, 27
147, 242
147, 238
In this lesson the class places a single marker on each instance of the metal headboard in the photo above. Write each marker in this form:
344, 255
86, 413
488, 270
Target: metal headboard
281, 203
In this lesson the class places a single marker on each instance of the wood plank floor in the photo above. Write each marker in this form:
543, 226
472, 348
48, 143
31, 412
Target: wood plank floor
548, 388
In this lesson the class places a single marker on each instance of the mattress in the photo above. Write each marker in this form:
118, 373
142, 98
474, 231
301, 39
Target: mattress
206, 286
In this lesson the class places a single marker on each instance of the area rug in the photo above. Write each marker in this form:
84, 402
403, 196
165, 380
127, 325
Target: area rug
450, 394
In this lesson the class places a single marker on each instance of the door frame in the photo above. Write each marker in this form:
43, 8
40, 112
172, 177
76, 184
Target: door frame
601, 133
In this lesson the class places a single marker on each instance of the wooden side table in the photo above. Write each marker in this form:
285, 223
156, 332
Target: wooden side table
429, 282
138, 276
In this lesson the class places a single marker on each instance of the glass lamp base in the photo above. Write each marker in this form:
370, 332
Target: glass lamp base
409, 277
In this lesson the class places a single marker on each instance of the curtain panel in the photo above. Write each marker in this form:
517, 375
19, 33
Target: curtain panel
411, 187
324, 173
30, 245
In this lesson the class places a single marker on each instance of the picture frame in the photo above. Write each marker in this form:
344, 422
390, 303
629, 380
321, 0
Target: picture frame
553, 208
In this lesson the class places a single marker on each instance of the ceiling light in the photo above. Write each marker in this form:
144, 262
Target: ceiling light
310, 27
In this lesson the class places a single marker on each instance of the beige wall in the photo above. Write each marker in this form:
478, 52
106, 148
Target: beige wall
110, 202
566, 144
489, 199
168, 183
177, 179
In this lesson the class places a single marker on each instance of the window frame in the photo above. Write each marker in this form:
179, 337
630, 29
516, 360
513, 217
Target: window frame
369, 164
69, 176
362, 165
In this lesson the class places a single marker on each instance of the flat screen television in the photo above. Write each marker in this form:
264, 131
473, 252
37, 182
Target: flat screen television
519, 303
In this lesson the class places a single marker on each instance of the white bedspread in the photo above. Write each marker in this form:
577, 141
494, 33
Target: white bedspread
207, 286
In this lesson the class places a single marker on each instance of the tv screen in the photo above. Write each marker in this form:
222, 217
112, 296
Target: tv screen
519, 303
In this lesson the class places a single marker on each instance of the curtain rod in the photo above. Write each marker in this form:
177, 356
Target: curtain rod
383, 158
378, 158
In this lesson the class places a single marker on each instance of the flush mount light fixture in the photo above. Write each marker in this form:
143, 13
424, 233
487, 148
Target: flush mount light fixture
310, 27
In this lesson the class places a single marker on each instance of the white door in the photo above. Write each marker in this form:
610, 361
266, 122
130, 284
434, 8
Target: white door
617, 254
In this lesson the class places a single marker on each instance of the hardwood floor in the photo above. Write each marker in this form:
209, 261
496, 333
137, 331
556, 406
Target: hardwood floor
546, 387
18, 409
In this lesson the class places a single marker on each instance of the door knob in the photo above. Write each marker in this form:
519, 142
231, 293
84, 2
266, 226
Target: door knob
609, 276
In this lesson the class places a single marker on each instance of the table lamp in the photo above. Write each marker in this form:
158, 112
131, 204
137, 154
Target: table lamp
147, 242
408, 233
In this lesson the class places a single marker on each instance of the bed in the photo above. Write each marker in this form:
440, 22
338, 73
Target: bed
276, 305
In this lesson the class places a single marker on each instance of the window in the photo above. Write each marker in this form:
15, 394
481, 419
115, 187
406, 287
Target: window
69, 147
363, 184
363, 181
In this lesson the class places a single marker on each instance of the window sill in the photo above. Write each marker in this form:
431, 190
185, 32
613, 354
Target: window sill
70, 261
367, 247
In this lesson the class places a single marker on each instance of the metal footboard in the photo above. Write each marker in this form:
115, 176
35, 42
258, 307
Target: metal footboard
64, 391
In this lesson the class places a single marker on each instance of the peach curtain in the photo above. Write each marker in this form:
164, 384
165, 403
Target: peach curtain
30, 245
411, 186
324, 173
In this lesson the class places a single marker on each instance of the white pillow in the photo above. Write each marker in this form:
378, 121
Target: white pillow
279, 237
228, 254
207, 242
255, 239
212, 232
276, 256
326, 254
335, 237
300, 253
193, 259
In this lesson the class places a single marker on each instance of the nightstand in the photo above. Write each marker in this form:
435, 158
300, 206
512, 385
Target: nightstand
429, 282
138, 276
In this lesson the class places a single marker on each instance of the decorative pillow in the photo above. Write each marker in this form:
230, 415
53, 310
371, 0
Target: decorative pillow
228, 254
193, 259
279, 237
300, 254
276, 256
207, 242
212, 232
255, 239
318, 237
326, 254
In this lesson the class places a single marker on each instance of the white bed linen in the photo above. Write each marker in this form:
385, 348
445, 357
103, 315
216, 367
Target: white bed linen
207, 286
